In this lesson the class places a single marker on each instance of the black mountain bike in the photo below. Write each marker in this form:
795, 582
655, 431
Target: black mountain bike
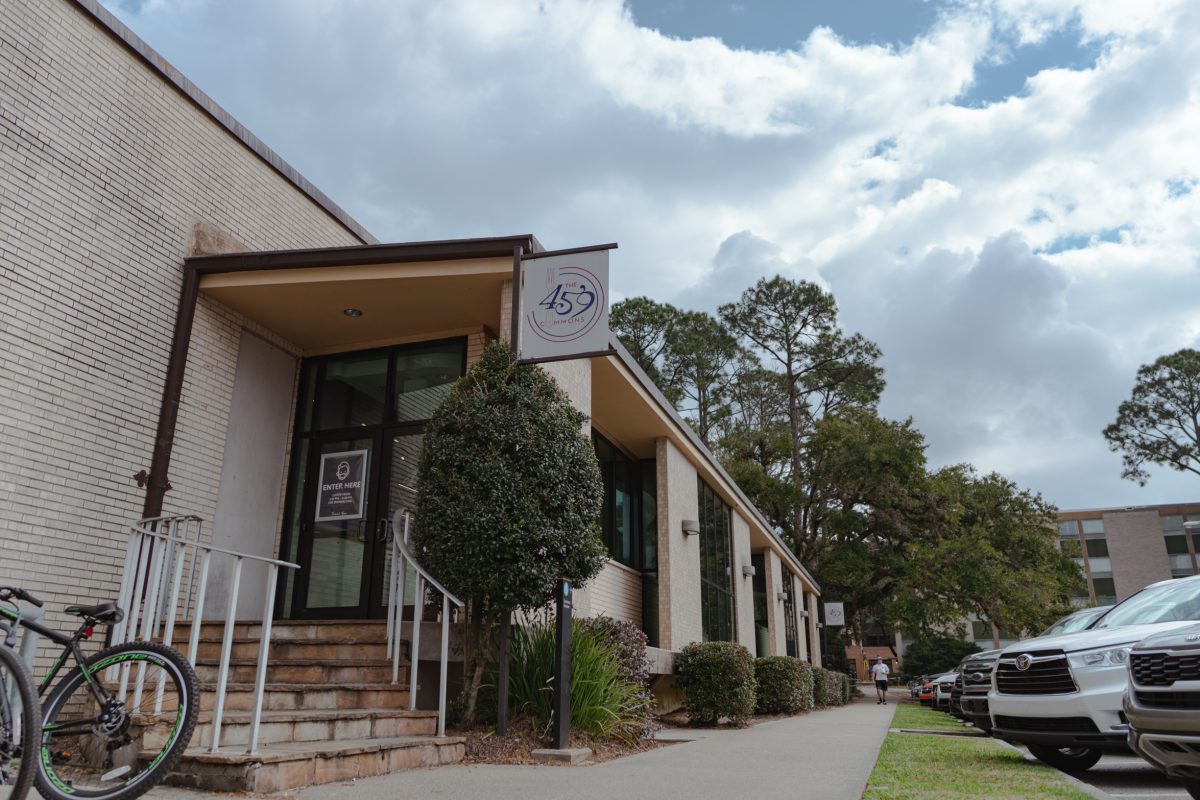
20, 721
118, 722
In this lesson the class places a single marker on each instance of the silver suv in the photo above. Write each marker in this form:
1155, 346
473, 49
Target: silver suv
1163, 704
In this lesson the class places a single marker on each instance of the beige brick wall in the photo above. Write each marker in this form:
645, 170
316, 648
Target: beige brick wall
105, 170
1137, 550
616, 592
678, 555
743, 586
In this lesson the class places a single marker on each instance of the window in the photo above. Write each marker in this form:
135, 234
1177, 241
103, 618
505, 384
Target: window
762, 639
617, 517
1093, 527
1097, 547
716, 590
1179, 554
1106, 590
789, 617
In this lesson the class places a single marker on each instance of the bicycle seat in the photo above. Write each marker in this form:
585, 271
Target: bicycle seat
108, 613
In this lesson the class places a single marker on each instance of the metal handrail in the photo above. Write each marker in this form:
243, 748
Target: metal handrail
402, 559
158, 547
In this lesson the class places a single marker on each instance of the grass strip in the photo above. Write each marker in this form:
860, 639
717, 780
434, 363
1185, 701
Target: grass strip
931, 767
911, 715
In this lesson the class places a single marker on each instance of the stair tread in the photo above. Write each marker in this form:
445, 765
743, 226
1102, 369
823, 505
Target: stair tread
299, 751
316, 714
211, 686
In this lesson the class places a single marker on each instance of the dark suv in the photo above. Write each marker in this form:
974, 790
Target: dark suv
975, 672
1163, 703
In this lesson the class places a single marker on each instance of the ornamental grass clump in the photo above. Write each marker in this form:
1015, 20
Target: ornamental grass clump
604, 702
784, 685
717, 679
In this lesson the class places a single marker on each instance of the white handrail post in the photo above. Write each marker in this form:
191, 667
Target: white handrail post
391, 606
441, 727
226, 649
135, 602
198, 612
415, 653
169, 630
149, 618
260, 680
399, 621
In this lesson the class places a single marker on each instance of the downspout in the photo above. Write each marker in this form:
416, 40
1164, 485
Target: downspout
168, 414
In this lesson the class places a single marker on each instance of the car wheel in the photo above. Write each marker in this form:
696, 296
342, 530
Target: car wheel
1067, 759
1193, 788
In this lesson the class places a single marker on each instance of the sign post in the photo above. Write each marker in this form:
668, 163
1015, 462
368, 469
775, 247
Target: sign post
562, 666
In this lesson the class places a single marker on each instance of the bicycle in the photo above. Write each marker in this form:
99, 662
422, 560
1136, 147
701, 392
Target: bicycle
117, 722
20, 721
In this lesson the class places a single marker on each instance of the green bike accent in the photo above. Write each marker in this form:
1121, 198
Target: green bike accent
53, 668
8, 612
48, 768
174, 732
122, 657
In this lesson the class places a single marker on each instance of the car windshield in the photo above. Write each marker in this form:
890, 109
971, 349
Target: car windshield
1074, 622
1169, 602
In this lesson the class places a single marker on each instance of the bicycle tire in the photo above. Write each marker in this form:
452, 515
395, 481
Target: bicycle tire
20, 730
60, 772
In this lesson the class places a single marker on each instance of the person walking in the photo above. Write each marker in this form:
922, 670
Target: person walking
880, 671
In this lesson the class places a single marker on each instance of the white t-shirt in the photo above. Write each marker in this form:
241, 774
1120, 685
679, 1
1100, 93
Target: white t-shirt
880, 671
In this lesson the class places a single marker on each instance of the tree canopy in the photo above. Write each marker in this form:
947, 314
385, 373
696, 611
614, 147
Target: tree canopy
1160, 422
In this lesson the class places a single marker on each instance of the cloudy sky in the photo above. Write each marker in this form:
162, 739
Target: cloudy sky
1001, 193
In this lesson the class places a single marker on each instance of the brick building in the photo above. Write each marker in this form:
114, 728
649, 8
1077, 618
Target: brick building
173, 290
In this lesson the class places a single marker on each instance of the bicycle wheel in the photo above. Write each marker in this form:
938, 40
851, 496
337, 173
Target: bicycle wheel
122, 747
20, 726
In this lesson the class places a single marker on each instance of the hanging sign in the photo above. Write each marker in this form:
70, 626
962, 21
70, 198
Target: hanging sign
342, 486
835, 615
564, 305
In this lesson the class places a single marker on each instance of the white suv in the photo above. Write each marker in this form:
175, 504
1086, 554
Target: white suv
1061, 695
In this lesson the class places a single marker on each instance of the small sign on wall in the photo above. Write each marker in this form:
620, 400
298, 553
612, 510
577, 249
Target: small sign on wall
835, 615
342, 486
564, 305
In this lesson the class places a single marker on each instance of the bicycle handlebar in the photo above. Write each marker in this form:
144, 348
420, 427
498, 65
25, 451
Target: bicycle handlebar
20, 594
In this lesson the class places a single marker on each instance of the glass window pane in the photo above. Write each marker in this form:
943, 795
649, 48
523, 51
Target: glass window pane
623, 511
1068, 529
649, 515
353, 391
1176, 544
423, 377
1172, 524
338, 548
1093, 526
1106, 591
1097, 547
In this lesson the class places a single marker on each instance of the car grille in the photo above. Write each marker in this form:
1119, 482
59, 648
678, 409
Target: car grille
1052, 676
980, 685
1162, 669
1047, 724
1188, 700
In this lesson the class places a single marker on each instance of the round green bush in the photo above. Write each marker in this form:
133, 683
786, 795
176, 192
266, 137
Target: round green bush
784, 685
717, 679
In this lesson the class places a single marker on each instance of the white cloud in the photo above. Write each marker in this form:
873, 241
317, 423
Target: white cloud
1016, 262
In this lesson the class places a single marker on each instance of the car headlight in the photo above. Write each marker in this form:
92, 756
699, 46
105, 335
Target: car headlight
1108, 657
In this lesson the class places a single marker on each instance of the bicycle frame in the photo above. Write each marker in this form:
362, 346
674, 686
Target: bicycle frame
70, 645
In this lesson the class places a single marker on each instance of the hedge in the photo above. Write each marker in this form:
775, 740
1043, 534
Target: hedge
830, 688
785, 685
717, 679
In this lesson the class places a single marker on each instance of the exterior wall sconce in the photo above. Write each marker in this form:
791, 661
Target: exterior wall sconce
804, 614
748, 570
781, 596
691, 527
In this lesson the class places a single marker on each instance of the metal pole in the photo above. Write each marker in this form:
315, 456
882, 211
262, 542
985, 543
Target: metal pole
502, 679
562, 666
414, 656
399, 621
169, 629
515, 333
260, 680
226, 649
441, 729
198, 611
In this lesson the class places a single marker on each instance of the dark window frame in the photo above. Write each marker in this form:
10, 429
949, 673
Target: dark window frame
718, 617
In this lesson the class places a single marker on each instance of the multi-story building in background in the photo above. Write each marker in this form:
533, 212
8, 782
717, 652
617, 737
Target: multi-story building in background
1121, 550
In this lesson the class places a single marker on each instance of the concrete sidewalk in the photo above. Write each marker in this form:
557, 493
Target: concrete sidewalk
823, 755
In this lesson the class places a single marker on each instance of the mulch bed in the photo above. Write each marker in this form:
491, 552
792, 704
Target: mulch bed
485, 747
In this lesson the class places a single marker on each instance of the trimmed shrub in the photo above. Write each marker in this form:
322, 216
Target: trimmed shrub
848, 688
835, 687
717, 679
603, 703
784, 685
820, 686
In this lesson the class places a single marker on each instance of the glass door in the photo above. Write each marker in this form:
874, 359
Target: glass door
340, 529
399, 492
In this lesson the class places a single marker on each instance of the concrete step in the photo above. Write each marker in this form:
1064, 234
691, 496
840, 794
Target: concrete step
309, 696
354, 630
284, 767
244, 670
277, 727
282, 650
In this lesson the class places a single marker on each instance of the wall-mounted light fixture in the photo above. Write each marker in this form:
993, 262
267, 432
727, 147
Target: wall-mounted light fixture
352, 312
691, 527
748, 571
781, 597
804, 614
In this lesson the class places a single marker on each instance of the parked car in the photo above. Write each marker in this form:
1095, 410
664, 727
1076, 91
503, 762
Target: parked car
1061, 696
914, 686
943, 685
1076, 621
1163, 704
926, 695
976, 671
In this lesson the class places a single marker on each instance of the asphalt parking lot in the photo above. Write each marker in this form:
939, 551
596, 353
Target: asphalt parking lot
1130, 778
